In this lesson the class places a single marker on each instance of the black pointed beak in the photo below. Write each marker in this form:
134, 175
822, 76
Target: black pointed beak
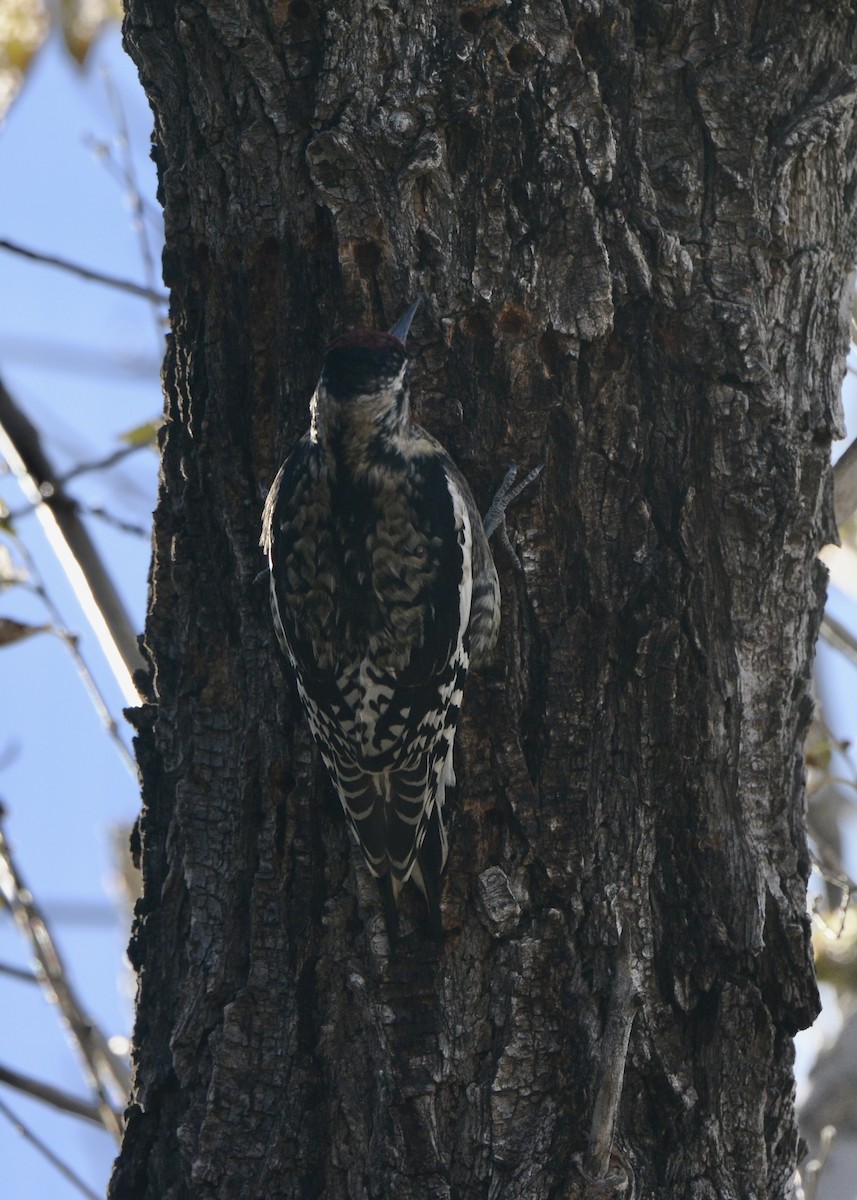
400, 329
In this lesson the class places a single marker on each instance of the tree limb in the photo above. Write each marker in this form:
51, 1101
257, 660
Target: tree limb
21, 446
122, 285
102, 1067
56, 1097
45, 1150
845, 485
840, 638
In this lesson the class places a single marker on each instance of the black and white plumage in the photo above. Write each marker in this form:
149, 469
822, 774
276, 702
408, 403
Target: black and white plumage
384, 593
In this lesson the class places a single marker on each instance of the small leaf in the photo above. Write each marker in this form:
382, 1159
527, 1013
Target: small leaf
16, 631
143, 435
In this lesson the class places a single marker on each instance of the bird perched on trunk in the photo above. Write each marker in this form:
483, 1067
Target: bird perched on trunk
383, 592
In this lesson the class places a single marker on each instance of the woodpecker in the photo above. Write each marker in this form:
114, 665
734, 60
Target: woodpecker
383, 594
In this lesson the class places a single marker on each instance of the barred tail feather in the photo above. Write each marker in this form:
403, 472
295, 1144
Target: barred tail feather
362, 798
397, 819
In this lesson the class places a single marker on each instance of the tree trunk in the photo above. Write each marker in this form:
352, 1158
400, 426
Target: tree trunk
631, 223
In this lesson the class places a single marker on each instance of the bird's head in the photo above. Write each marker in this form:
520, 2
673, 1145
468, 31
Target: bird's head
364, 382
361, 364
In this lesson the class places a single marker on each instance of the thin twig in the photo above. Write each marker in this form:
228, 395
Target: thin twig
104, 154
130, 176
103, 464
51, 260
96, 696
55, 1097
52, 1158
103, 1069
20, 973
840, 638
87, 468
827, 779
96, 593
87, 510
816, 1165
845, 485
102, 514
825, 917
842, 748
828, 864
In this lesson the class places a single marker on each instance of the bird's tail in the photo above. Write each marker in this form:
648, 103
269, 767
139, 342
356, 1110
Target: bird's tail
397, 817
426, 871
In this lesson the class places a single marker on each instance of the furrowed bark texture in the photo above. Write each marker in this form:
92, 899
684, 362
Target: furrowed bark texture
631, 224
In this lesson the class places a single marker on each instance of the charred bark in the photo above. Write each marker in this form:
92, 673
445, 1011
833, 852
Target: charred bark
632, 224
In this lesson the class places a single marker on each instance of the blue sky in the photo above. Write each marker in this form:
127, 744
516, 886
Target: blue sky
83, 360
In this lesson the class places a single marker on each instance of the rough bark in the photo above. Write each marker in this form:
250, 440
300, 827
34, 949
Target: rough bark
632, 224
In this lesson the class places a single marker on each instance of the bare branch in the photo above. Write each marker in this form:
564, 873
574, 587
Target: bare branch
104, 153
88, 510
829, 865
816, 1166
96, 696
102, 514
21, 446
102, 1067
122, 285
840, 638
103, 464
845, 485
129, 175
21, 973
55, 1097
45, 1150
